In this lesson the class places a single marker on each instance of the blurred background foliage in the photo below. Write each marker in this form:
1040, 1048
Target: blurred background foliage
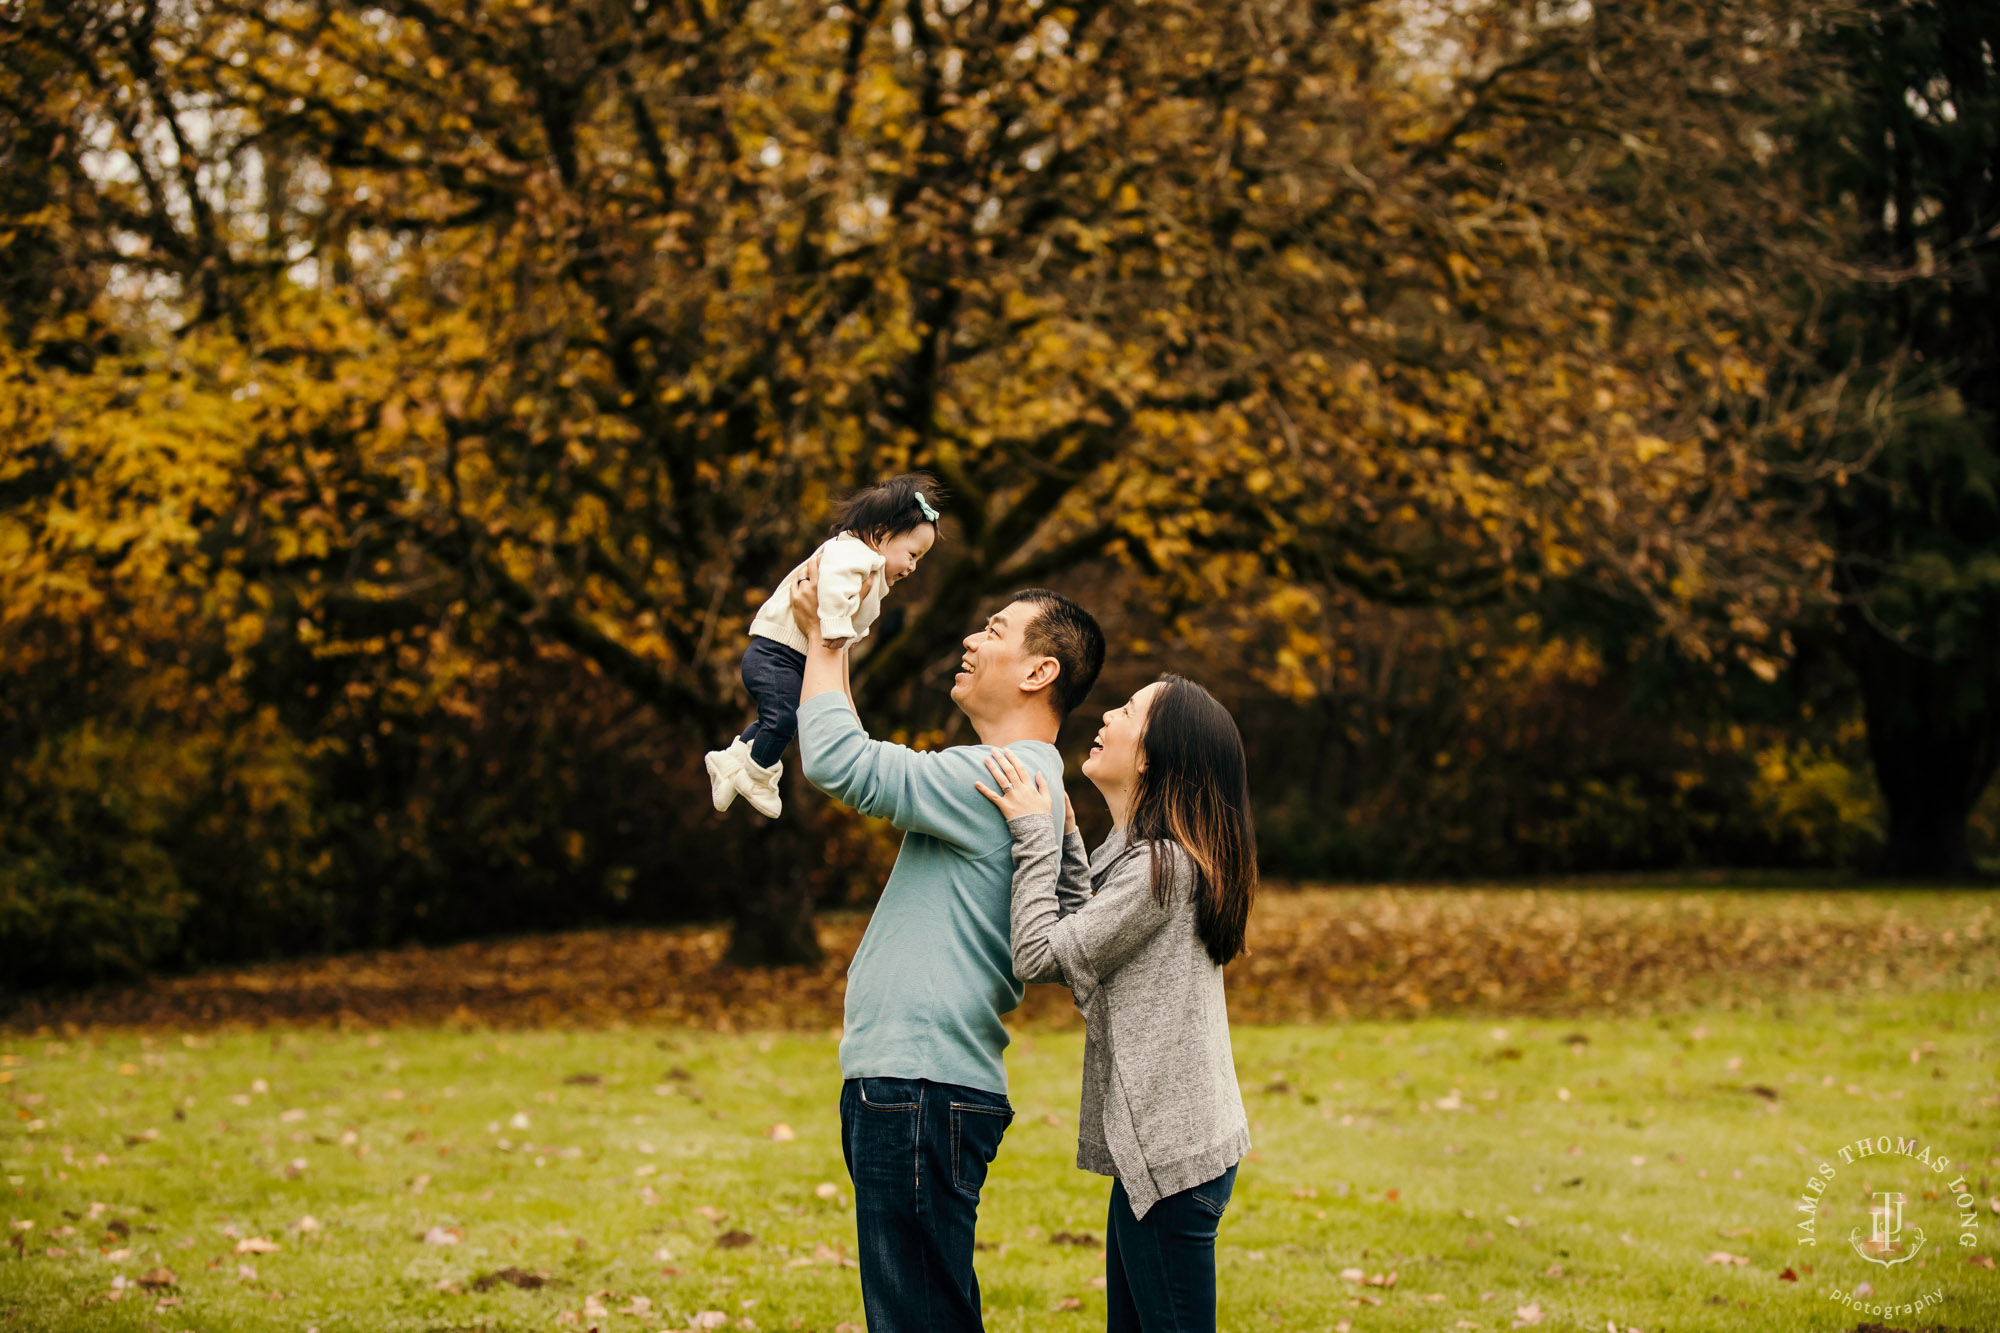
1564, 433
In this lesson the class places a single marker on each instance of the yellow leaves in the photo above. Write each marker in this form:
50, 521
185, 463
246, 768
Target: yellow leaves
748, 263
1560, 559
457, 390
1741, 375
244, 632
391, 424
1303, 263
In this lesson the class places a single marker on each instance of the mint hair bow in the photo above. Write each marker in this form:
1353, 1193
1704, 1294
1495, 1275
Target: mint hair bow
925, 505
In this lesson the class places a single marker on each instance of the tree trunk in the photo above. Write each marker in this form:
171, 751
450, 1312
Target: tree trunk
773, 922
1934, 738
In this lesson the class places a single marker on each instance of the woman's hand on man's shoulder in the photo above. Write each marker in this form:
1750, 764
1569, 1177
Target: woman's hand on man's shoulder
1011, 791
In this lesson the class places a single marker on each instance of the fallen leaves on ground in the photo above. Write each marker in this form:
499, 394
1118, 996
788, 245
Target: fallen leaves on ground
516, 1277
824, 1254
1314, 954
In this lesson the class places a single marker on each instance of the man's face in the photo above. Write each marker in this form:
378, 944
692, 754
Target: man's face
994, 663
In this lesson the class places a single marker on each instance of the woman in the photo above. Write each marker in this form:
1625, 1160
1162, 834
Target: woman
1140, 935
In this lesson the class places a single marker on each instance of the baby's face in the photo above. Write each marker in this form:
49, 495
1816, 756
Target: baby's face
902, 551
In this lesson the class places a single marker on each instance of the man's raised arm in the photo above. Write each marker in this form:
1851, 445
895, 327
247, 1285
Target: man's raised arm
917, 791
826, 668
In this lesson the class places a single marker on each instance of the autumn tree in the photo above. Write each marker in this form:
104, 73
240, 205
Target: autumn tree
512, 329
1906, 150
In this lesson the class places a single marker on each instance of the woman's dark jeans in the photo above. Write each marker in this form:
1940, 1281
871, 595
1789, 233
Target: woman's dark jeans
917, 1152
1160, 1270
773, 672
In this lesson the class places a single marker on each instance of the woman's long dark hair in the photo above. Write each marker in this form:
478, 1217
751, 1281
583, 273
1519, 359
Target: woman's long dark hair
1195, 790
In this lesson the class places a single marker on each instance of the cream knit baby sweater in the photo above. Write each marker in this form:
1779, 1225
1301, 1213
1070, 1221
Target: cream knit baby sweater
851, 584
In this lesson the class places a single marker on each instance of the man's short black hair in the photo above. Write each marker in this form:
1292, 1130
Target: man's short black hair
1065, 631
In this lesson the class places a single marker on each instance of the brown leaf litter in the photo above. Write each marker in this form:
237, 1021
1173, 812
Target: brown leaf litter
1315, 954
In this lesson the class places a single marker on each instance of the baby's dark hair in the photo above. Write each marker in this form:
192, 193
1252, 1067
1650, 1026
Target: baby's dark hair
887, 509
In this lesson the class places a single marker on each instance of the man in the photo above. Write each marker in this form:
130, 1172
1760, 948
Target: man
923, 1099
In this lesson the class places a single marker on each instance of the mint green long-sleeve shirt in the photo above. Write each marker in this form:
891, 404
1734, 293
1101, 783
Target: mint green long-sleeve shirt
935, 969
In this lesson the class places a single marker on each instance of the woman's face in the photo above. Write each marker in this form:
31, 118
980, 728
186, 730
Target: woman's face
1116, 758
902, 551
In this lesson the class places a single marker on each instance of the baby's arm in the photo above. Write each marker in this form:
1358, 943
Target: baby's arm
844, 569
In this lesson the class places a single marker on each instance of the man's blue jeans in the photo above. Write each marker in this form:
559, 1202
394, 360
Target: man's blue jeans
917, 1152
1160, 1270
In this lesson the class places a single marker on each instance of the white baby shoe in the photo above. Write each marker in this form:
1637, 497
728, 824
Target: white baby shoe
725, 767
759, 785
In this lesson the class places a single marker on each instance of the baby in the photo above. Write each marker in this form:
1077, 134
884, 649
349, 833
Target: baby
879, 535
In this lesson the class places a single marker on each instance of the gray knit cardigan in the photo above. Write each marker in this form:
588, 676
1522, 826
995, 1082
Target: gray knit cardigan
1161, 1110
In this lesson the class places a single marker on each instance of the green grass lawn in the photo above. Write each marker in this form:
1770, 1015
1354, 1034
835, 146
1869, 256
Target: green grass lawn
1562, 1174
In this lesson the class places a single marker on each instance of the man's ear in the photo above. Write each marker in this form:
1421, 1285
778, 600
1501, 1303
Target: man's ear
1044, 675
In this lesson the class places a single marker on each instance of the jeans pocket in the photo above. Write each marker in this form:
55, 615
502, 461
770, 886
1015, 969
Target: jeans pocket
1213, 1196
975, 1141
888, 1094
879, 1137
